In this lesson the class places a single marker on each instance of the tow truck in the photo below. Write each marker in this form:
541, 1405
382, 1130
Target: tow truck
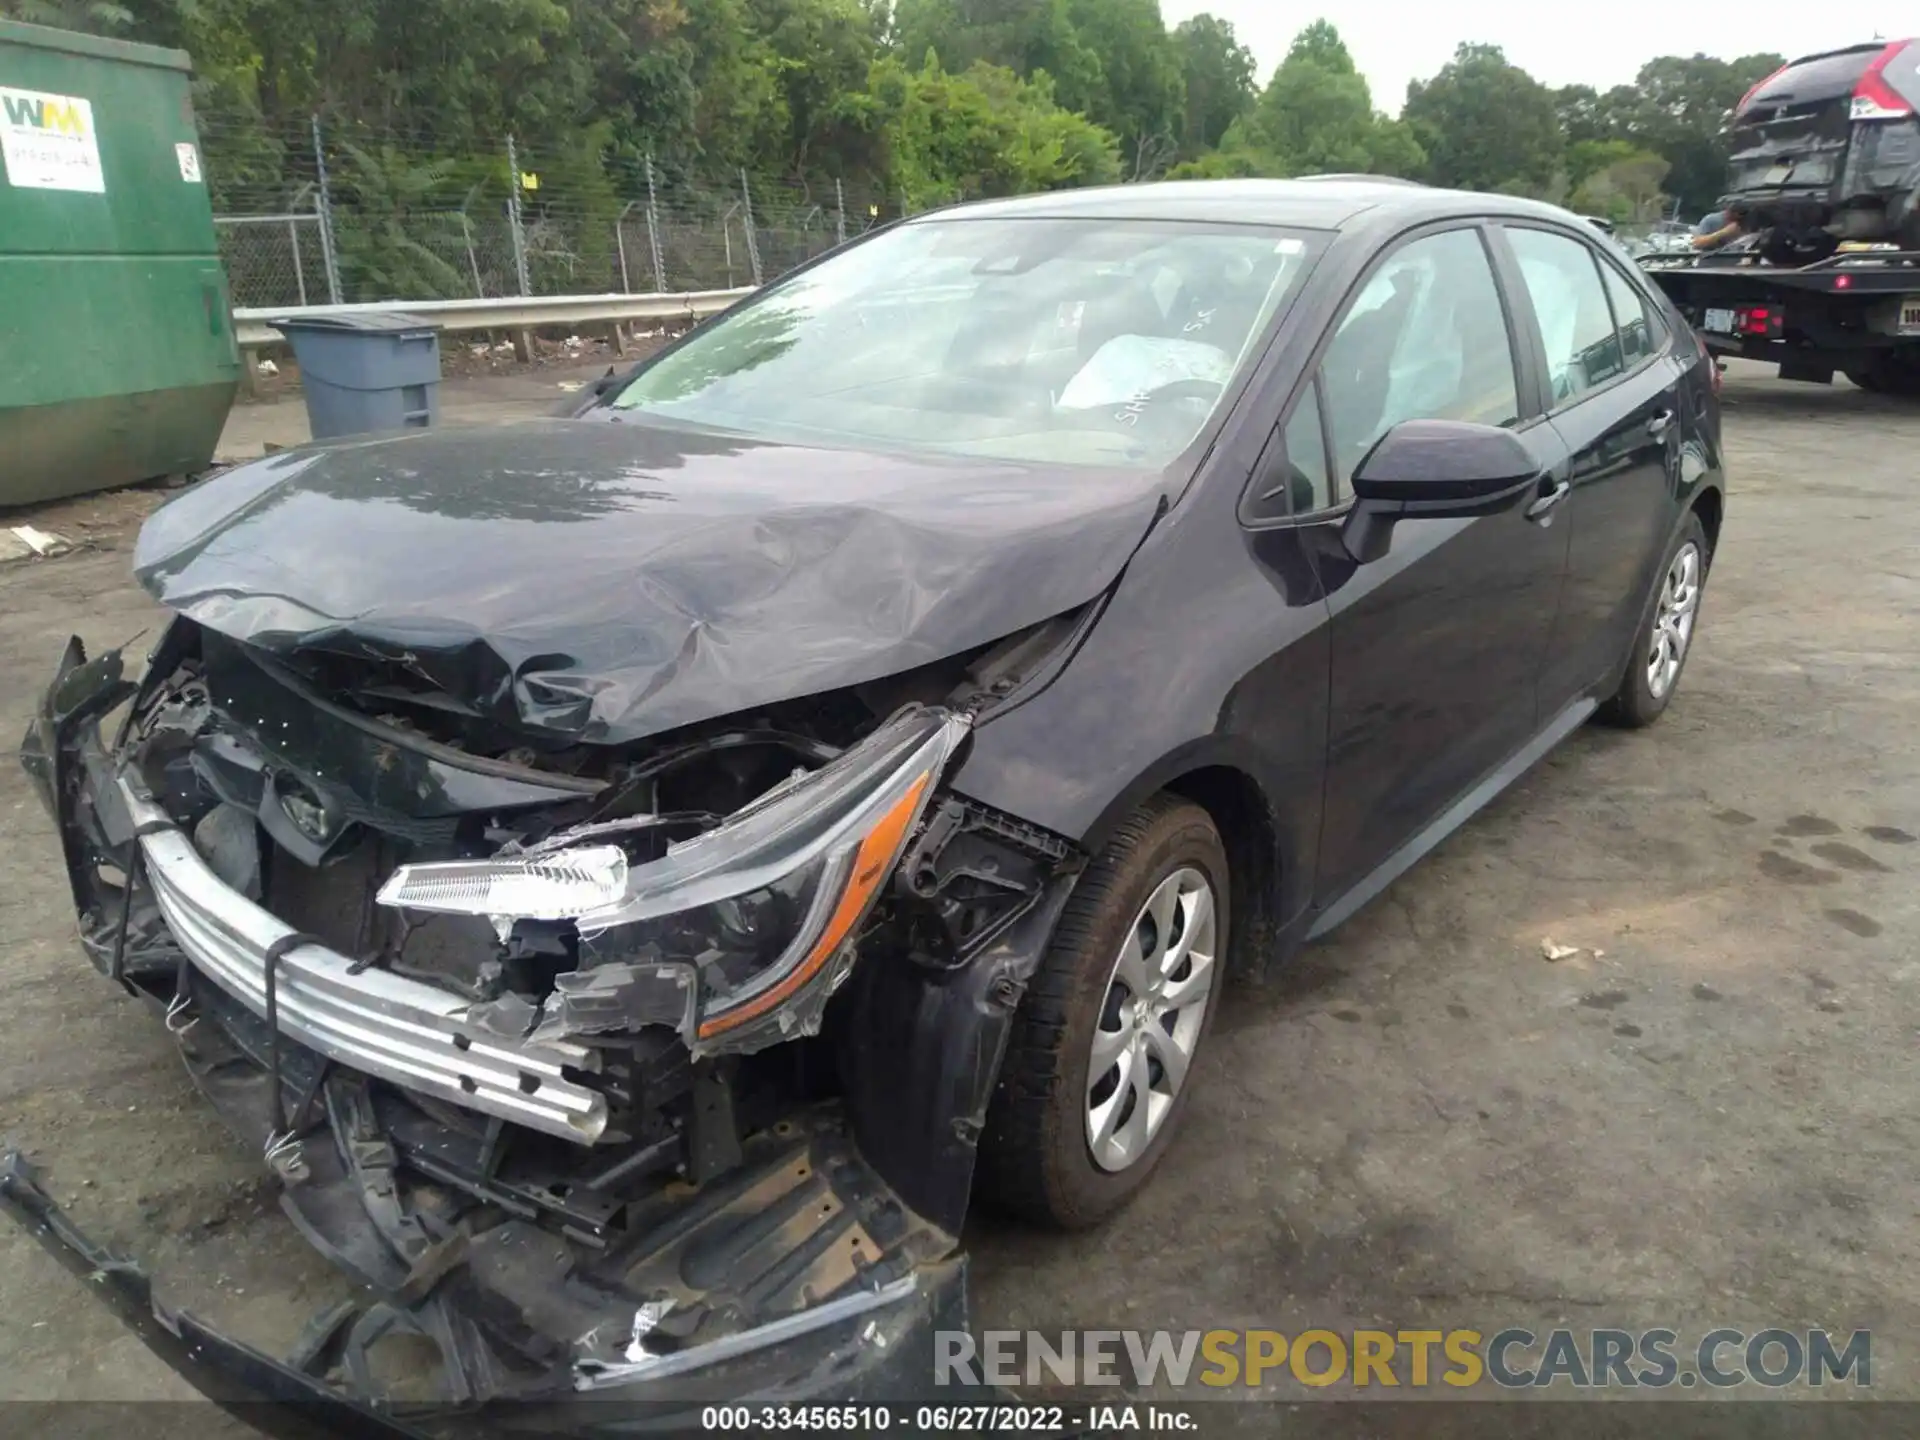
1856, 312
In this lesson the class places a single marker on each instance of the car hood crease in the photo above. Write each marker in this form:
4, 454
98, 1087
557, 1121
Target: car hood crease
609, 581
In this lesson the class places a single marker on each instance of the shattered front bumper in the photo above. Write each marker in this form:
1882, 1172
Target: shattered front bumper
259, 1388
380, 1024
880, 1354
837, 1286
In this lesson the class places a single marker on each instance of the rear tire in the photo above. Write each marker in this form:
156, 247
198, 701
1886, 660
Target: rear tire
1082, 1029
1896, 372
1865, 379
1665, 637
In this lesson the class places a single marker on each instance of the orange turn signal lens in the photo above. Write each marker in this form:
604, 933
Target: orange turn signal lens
871, 865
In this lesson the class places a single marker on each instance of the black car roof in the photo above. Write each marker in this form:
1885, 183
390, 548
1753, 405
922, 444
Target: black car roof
1318, 202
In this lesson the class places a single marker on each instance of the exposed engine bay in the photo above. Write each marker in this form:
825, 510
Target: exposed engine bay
582, 1057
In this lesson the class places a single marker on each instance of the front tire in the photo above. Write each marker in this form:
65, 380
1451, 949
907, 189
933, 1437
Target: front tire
1099, 1067
1665, 637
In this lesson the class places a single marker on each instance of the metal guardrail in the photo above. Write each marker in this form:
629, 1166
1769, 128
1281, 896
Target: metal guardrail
252, 329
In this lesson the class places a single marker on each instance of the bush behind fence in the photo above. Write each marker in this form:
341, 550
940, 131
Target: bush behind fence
314, 215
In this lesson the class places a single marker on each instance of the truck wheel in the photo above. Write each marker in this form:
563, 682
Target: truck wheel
1665, 637
1100, 1063
1897, 372
1865, 379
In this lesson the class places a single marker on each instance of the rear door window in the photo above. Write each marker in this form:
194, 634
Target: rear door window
1562, 276
1640, 329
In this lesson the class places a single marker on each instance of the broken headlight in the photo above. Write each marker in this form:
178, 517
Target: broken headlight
762, 905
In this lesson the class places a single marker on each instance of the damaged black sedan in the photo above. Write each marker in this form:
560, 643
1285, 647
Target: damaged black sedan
638, 877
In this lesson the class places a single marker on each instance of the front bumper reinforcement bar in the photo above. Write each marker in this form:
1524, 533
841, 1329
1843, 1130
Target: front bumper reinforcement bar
376, 1022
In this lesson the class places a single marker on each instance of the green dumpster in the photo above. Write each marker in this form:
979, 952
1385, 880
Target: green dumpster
117, 357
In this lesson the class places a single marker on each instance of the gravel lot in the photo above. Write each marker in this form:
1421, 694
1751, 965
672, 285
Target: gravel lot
1706, 1116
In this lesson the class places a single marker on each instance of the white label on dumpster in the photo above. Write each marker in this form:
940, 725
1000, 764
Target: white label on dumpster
189, 159
47, 142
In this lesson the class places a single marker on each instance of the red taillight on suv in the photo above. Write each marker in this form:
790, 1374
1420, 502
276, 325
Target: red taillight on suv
1873, 97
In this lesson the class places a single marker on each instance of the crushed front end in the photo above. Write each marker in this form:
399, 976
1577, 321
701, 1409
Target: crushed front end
641, 1071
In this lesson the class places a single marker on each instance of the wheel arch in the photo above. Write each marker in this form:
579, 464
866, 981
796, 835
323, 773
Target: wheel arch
1267, 849
1239, 810
1711, 506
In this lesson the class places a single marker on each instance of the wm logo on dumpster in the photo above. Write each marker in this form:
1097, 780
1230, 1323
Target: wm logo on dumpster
45, 112
47, 142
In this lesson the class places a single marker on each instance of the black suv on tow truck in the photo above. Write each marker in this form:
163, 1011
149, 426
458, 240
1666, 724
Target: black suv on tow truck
1830, 144
1825, 175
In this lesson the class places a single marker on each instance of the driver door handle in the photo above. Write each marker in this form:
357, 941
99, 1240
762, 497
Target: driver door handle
1658, 423
1553, 491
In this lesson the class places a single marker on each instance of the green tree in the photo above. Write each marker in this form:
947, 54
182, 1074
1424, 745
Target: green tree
1025, 36
1683, 104
1581, 115
933, 98
1217, 73
1486, 124
400, 234
96, 17
1625, 187
1140, 95
815, 51
1316, 116
734, 103
1585, 157
1676, 108
983, 133
1111, 60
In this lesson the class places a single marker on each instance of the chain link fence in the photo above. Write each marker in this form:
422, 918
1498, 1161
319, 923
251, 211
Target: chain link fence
317, 214
275, 259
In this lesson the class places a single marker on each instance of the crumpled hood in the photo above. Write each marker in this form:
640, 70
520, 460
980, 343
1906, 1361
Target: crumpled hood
608, 581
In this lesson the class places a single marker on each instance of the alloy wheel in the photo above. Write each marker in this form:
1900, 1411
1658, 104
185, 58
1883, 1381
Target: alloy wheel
1150, 1019
1673, 621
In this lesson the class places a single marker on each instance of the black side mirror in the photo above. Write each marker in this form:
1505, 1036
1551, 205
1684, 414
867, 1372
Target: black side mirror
1434, 469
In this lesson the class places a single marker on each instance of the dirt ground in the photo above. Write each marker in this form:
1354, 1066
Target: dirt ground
1706, 1116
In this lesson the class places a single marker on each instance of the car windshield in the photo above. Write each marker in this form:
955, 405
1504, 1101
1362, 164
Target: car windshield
1060, 341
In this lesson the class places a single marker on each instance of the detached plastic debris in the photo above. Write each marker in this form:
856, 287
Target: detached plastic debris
646, 1319
26, 542
1556, 953
267, 367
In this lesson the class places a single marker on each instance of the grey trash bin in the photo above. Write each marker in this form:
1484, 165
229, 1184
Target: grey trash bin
366, 372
